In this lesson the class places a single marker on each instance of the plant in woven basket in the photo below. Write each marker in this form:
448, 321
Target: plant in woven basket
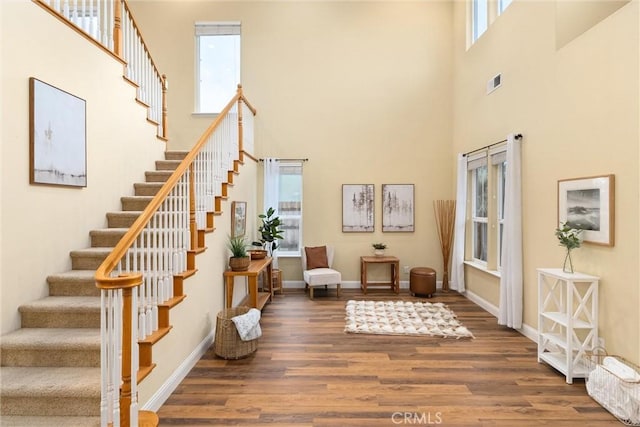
378, 248
240, 259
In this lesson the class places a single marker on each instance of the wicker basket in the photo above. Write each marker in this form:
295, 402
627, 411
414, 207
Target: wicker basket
228, 344
620, 396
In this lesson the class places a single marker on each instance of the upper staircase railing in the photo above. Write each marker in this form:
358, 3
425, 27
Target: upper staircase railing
110, 23
138, 278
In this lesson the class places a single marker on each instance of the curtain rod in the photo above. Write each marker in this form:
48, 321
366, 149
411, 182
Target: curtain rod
517, 136
285, 160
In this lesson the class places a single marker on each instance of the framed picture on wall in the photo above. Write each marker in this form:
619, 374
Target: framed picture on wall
398, 207
238, 219
358, 209
588, 204
57, 136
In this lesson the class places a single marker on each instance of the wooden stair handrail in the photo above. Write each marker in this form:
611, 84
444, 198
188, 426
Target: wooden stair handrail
102, 275
137, 28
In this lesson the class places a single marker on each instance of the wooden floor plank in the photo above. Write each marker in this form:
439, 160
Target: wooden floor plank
308, 372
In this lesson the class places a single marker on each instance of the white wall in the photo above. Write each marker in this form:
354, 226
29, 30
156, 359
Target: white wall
40, 225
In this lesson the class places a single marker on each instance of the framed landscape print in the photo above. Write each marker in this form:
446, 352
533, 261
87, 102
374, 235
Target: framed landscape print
357, 208
588, 204
398, 207
57, 136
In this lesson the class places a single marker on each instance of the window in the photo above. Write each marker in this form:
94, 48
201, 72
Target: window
480, 18
487, 171
502, 174
482, 13
283, 188
479, 216
502, 5
217, 65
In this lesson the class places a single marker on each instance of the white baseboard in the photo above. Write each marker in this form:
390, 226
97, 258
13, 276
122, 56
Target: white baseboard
299, 284
526, 330
163, 393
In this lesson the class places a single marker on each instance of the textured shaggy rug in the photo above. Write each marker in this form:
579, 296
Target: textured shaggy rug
403, 318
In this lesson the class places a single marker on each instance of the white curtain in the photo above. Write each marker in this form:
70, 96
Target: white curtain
457, 256
510, 312
271, 191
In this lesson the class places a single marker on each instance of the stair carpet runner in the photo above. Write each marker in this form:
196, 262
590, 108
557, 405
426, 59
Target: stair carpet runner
50, 368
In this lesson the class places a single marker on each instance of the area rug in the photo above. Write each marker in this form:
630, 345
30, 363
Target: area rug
403, 318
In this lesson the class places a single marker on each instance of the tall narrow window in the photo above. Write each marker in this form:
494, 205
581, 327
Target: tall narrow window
479, 207
502, 174
283, 192
480, 18
217, 64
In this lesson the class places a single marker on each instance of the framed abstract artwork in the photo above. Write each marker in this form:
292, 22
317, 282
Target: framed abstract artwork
358, 209
589, 204
398, 207
238, 219
57, 136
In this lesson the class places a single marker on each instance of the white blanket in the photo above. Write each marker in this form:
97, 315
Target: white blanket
248, 325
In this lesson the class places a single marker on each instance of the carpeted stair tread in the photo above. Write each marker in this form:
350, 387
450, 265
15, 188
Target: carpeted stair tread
163, 165
31, 347
73, 283
175, 154
51, 339
88, 258
106, 237
157, 176
122, 219
135, 203
61, 312
63, 304
69, 382
16, 421
147, 188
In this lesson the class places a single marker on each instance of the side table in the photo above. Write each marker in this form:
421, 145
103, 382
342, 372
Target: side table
394, 263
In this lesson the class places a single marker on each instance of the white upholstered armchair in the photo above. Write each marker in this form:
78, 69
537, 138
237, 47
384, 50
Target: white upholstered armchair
316, 268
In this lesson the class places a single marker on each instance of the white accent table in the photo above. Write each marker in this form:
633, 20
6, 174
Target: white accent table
567, 320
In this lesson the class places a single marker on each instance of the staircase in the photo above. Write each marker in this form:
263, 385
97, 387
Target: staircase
50, 368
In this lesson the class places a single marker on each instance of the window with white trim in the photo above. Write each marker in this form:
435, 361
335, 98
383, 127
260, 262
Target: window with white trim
487, 170
290, 207
283, 192
482, 13
217, 65
479, 18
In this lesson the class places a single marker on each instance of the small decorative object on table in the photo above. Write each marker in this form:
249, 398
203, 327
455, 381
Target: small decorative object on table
378, 249
570, 239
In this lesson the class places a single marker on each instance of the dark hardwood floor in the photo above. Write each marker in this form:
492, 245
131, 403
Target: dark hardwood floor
308, 372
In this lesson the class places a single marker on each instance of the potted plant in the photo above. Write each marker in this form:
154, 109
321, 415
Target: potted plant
239, 260
269, 231
570, 239
378, 248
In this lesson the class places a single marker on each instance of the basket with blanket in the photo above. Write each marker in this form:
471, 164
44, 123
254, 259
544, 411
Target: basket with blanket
614, 383
237, 332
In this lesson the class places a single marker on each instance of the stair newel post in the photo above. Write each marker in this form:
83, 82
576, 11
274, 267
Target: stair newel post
193, 227
240, 134
165, 86
117, 27
125, 388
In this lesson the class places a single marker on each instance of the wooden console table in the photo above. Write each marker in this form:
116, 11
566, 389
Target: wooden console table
254, 299
395, 272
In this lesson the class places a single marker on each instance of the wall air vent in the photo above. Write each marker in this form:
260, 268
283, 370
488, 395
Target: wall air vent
494, 83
